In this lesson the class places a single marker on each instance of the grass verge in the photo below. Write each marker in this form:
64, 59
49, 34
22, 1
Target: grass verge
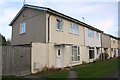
97, 70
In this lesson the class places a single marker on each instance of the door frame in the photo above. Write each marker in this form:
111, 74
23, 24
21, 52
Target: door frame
61, 56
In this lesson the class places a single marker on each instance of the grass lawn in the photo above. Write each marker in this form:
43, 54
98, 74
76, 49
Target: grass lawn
97, 70
62, 74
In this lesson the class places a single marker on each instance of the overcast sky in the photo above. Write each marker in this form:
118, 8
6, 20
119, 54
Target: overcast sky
102, 14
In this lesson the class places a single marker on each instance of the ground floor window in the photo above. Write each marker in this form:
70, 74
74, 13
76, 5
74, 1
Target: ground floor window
114, 52
91, 52
97, 50
75, 55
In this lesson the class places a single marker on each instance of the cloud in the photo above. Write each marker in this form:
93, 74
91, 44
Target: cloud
5, 18
105, 24
8, 15
61, 0
1, 2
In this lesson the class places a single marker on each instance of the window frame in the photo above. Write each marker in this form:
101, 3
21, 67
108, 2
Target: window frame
60, 26
74, 28
90, 33
22, 27
92, 49
97, 35
74, 57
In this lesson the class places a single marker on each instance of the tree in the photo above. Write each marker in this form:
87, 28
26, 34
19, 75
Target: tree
2, 40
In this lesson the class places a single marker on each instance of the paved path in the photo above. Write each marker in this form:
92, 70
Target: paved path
72, 75
32, 77
115, 75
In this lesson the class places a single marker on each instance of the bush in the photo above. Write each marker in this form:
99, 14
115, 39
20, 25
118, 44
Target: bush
104, 56
97, 60
83, 62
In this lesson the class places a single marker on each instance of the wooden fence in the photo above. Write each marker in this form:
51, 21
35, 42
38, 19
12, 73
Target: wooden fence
16, 60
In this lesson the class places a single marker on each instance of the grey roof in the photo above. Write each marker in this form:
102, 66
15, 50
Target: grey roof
55, 13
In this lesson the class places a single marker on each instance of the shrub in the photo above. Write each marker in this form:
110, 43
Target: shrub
83, 62
45, 68
104, 56
97, 60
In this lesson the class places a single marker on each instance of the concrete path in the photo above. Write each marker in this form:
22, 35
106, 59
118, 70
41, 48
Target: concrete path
32, 77
115, 75
72, 75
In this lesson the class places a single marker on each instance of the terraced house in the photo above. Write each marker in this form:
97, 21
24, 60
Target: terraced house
57, 40
106, 44
114, 46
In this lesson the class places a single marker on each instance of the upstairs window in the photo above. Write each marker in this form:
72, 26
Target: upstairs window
74, 28
90, 33
59, 25
97, 35
22, 27
75, 55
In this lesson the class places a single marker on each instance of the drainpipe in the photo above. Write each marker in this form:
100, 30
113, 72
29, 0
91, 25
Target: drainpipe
48, 39
49, 28
101, 43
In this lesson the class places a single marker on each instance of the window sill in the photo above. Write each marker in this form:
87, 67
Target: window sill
22, 33
74, 34
72, 62
59, 30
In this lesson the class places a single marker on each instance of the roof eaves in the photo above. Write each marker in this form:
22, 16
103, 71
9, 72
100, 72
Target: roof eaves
27, 6
72, 19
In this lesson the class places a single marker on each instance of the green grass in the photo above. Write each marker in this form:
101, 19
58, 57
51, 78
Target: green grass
62, 74
97, 70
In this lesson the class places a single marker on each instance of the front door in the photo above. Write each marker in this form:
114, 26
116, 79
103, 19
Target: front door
59, 55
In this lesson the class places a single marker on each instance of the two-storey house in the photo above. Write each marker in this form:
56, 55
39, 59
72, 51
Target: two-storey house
57, 40
114, 46
106, 44
92, 43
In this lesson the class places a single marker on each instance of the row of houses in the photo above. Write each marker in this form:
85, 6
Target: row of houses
59, 40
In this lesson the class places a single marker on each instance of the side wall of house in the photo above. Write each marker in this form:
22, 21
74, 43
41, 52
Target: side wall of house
106, 41
35, 27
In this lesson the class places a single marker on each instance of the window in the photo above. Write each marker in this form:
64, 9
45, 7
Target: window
90, 33
91, 52
59, 25
22, 27
74, 28
75, 53
97, 35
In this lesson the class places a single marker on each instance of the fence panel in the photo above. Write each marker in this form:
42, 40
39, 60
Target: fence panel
16, 60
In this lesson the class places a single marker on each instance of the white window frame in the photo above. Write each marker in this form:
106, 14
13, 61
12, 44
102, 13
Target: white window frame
74, 28
59, 26
92, 49
73, 54
22, 27
90, 33
97, 35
